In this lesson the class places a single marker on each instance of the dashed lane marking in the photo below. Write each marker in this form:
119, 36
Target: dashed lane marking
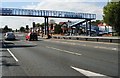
107, 48
65, 51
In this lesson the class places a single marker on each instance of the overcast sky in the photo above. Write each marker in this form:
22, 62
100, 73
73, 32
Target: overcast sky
84, 6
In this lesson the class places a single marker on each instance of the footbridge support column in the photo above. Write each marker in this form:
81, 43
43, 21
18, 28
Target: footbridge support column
46, 27
88, 27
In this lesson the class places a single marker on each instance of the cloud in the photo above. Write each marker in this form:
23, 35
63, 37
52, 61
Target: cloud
55, 0
82, 7
16, 22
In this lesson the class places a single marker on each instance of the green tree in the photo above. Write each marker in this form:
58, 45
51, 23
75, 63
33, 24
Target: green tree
22, 29
16, 30
38, 25
5, 29
58, 29
27, 27
42, 25
95, 23
112, 15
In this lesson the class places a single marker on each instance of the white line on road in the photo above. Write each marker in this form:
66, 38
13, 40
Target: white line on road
64, 51
85, 45
88, 73
12, 55
107, 48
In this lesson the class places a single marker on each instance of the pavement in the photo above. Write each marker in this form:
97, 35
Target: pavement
53, 57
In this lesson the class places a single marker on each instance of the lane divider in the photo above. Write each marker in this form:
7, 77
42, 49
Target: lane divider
65, 51
12, 55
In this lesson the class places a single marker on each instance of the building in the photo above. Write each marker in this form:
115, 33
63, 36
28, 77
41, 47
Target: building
105, 29
64, 27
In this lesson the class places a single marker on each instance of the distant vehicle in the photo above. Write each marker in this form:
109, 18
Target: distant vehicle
9, 36
31, 36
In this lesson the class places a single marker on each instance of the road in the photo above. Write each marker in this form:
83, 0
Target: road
51, 57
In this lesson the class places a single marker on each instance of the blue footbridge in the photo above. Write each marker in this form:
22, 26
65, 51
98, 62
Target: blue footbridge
48, 14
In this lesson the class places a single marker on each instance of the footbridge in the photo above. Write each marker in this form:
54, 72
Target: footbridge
46, 14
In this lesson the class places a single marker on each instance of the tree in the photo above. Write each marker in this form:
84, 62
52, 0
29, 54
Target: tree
22, 29
5, 29
112, 15
95, 23
42, 25
38, 25
27, 27
58, 29
16, 30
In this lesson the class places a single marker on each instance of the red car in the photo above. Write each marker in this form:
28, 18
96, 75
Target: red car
31, 36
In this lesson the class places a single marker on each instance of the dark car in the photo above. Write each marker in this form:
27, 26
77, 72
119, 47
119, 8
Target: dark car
9, 36
31, 36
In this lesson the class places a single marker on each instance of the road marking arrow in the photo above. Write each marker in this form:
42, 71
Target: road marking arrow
88, 73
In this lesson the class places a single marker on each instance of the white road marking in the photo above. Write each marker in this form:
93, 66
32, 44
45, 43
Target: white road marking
74, 53
114, 49
88, 73
107, 48
12, 55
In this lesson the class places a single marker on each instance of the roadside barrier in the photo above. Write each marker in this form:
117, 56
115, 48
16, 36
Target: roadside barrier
88, 38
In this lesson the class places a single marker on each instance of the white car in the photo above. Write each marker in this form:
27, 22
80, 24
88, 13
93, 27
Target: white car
9, 36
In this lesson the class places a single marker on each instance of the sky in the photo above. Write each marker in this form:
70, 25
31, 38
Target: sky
84, 6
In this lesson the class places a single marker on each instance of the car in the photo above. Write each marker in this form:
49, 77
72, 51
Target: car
9, 36
32, 36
